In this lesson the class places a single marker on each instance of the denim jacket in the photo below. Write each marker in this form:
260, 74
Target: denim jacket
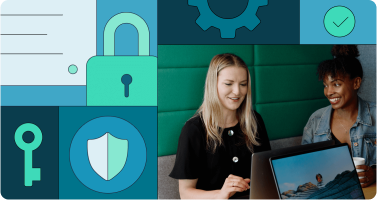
362, 132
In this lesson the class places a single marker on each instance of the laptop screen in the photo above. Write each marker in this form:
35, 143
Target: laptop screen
328, 173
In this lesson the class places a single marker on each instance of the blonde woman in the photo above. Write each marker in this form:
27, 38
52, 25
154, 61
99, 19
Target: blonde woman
215, 146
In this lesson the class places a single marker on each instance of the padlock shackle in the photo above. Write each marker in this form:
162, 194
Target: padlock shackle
125, 18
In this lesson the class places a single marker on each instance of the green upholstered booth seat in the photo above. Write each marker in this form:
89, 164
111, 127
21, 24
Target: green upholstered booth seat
287, 119
287, 83
285, 88
180, 88
170, 124
291, 54
190, 56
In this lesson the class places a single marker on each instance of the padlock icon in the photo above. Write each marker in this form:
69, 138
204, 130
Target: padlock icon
122, 80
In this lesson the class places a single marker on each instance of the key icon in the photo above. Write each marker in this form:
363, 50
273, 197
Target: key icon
31, 174
126, 80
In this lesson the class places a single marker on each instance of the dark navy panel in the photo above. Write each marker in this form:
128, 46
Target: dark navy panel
280, 23
45, 157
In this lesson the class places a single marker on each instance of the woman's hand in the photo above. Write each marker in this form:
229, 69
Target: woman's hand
368, 173
232, 185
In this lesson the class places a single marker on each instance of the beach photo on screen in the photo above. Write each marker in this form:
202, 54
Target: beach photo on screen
322, 174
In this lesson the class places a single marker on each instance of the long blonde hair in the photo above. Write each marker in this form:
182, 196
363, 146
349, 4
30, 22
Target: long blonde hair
210, 111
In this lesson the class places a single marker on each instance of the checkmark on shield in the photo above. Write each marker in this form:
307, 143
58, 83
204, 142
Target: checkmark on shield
107, 155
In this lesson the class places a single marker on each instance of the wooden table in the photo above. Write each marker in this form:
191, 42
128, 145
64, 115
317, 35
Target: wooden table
370, 191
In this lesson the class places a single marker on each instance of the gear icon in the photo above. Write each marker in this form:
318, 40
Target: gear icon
228, 27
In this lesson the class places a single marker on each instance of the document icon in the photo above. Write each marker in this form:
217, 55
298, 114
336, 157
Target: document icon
46, 42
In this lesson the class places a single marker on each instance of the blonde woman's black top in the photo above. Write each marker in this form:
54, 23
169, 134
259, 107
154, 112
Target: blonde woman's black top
195, 161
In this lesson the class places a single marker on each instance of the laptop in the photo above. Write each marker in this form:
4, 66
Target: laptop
325, 173
262, 184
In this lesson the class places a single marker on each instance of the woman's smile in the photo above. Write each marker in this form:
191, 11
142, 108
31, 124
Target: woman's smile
334, 100
234, 99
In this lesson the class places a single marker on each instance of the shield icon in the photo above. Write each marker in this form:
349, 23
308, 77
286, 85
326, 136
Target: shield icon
107, 155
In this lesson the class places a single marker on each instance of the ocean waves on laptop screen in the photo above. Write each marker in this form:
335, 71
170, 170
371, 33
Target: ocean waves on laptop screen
322, 174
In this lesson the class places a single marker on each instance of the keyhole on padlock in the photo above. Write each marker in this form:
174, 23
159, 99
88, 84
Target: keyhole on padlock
126, 80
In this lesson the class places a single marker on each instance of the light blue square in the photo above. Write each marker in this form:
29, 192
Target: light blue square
126, 35
312, 29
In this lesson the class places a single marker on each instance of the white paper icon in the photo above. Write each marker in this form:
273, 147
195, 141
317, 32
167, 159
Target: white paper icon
41, 39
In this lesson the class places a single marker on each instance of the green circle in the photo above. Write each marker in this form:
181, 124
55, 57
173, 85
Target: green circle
37, 137
72, 69
339, 21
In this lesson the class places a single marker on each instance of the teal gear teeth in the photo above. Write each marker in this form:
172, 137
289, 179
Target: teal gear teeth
228, 27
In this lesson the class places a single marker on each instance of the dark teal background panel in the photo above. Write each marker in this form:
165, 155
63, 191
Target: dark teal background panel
72, 118
280, 24
45, 157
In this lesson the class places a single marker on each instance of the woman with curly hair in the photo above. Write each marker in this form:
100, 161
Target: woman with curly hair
349, 119
213, 159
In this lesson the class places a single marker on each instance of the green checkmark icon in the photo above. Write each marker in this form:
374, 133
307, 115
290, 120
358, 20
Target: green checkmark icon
339, 21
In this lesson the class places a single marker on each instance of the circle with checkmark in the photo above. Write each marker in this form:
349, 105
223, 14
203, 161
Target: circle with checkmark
339, 21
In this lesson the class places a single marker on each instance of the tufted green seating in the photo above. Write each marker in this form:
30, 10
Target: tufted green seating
285, 88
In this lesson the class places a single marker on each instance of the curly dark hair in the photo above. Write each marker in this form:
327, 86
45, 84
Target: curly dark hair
344, 63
